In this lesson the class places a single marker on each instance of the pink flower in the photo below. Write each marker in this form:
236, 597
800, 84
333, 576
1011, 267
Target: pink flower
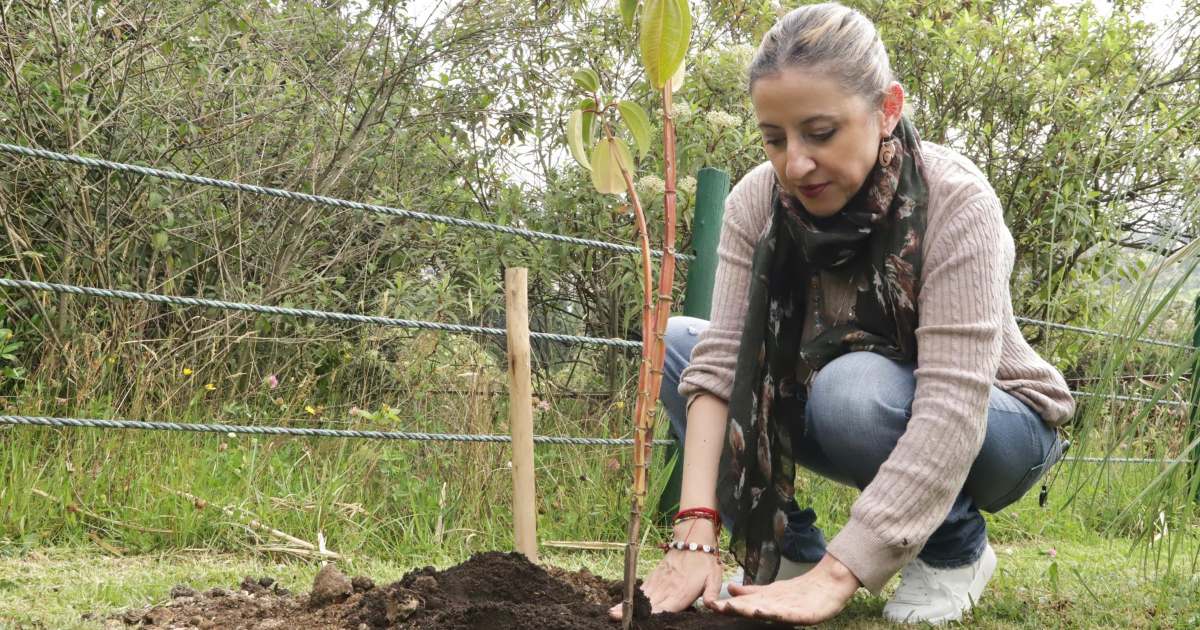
1052, 552
272, 381
543, 405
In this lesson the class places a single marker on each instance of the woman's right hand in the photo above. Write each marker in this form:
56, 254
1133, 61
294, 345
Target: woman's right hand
678, 580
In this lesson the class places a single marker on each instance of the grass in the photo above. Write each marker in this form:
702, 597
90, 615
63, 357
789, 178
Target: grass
1098, 585
95, 521
94, 548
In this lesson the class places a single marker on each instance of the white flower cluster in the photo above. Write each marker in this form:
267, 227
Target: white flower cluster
651, 185
687, 185
721, 120
681, 111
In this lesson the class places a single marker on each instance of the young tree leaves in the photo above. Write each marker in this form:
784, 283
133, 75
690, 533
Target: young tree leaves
610, 156
586, 79
575, 138
665, 33
628, 8
588, 106
639, 124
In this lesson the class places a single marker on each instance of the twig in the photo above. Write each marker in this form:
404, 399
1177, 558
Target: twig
71, 507
116, 551
255, 524
586, 545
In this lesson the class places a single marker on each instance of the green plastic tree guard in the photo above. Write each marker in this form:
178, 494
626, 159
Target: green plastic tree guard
712, 186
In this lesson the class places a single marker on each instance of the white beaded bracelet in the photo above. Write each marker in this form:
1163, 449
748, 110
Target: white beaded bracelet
687, 546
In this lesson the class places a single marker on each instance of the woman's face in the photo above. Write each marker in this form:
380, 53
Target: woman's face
822, 140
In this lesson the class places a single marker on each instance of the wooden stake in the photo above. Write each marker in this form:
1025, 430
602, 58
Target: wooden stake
520, 411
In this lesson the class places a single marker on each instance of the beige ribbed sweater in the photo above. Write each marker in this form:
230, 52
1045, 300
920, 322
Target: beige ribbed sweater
967, 340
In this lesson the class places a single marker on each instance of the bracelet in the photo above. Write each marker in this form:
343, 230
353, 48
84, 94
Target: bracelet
707, 514
686, 546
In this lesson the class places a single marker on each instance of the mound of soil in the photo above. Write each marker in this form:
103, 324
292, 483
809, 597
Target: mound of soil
490, 591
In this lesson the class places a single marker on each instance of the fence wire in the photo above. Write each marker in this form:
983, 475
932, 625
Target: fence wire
97, 423
94, 163
1101, 333
304, 312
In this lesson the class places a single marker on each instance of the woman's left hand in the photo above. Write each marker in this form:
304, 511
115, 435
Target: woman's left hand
809, 599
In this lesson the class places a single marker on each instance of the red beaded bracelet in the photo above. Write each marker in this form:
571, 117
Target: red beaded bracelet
707, 514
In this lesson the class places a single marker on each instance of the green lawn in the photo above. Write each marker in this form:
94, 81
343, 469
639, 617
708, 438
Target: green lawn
96, 522
1099, 586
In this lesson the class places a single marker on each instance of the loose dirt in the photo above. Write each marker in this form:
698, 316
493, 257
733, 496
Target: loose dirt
490, 591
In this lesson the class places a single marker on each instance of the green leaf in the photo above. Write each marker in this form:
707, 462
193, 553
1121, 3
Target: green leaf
589, 117
610, 156
639, 124
665, 33
575, 138
628, 8
679, 76
586, 79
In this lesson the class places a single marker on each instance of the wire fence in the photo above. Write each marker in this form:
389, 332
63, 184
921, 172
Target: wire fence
98, 423
93, 163
304, 312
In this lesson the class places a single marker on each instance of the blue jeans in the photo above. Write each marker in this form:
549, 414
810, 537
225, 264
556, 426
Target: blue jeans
857, 410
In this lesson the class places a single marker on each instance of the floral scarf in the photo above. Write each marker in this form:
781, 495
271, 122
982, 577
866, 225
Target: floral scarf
877, 237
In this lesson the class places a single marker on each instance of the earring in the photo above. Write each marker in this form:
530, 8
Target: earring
887, 151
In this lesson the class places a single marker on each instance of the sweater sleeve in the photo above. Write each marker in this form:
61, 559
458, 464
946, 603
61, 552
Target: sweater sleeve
714, 357
963, 304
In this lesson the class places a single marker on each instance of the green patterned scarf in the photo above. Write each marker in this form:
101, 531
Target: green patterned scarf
876, 238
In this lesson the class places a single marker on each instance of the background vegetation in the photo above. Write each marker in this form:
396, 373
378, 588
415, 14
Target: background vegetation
1085, 121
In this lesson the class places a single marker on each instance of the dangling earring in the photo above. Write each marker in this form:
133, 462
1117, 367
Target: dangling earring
887, 150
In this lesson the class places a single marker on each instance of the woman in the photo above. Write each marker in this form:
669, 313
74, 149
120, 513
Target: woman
862, 327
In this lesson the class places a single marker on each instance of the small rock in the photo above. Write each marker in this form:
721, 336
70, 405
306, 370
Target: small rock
196, 621
400, 605
132, 617
329, 586
159, 617
266, 582
217, 591
251, 585
362, 584
425, 583
282, 592
183, 590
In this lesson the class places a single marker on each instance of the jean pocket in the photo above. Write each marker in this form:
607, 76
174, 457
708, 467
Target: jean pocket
1031, 477
1028, 480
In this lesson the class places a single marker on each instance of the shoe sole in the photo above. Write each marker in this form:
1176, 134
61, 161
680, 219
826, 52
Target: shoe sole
973, 593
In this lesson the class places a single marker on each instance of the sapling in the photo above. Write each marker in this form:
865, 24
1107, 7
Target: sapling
663, 35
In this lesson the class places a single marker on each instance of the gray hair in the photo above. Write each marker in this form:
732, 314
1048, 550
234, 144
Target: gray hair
829, 38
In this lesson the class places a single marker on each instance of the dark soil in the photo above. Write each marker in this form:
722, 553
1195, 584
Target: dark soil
491, 590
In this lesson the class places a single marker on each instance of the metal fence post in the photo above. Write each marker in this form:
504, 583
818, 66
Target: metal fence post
1194, 415
712, 186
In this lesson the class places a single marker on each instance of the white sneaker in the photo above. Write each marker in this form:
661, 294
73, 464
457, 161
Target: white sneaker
929, 595
787, 570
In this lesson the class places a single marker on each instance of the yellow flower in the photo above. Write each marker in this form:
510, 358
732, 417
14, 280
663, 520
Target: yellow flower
187, 371
310, 409
210, 387
620, 404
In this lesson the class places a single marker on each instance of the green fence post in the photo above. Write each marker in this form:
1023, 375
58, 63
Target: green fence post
1194, 424
712, 186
